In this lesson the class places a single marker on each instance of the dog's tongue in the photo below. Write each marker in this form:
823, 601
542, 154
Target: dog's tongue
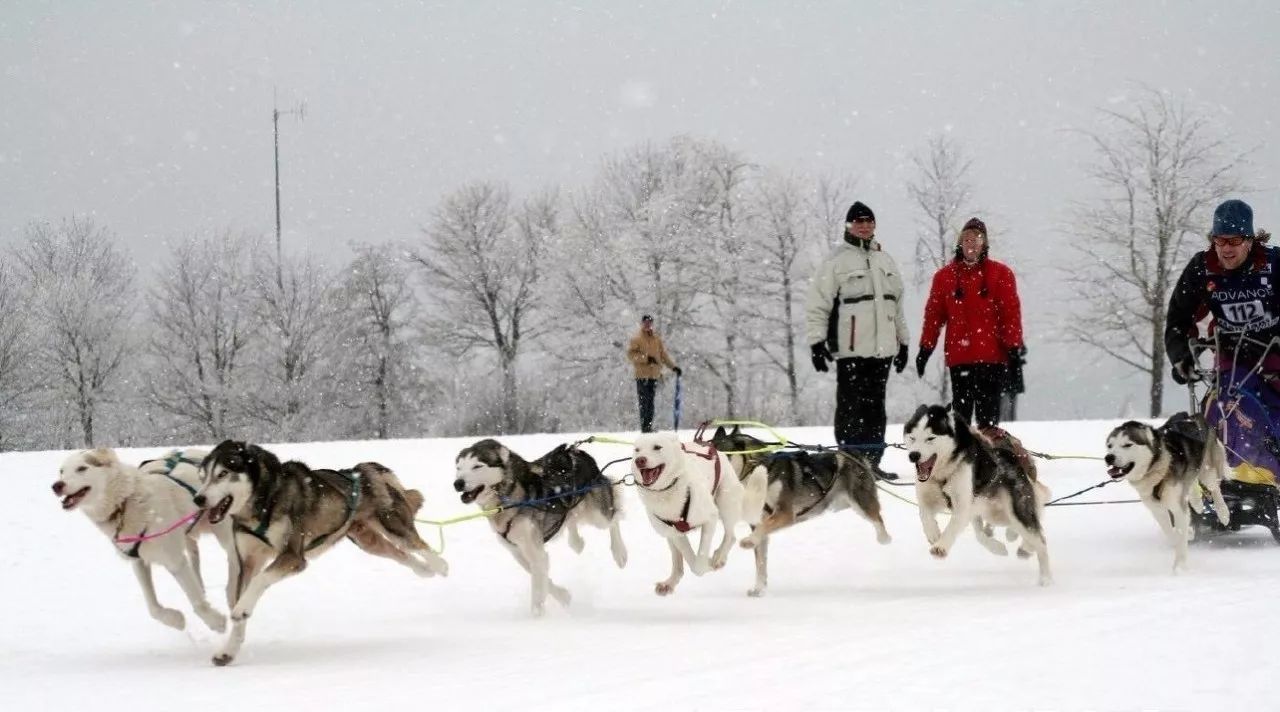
650, 475
924, 468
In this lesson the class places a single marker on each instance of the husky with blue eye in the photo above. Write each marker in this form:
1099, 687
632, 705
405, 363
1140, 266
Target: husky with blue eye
960, 471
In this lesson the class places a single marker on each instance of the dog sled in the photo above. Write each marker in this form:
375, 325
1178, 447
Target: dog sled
1241, 407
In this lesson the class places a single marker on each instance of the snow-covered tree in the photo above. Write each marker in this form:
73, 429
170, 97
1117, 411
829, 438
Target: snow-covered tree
481, 268
1160, 169
83, 298
201, 331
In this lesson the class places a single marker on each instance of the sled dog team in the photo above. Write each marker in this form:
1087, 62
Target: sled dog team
272, 517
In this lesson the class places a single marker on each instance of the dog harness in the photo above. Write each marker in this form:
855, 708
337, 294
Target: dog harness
132, 553
353, 498
682, 524
170, 464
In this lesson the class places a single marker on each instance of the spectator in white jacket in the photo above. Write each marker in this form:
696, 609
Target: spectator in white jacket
854, 316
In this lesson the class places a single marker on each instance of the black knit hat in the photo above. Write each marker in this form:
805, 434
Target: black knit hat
1233, 217
975, 224
859, 210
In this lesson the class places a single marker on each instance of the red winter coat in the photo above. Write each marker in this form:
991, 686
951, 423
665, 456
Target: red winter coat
979, 306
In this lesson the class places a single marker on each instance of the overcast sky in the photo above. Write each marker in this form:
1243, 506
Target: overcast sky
156, 117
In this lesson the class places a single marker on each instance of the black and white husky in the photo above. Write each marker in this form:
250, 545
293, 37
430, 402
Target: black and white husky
562, 488
1165, 465
958, 470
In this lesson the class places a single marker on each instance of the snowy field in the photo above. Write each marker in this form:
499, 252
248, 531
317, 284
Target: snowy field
846, 624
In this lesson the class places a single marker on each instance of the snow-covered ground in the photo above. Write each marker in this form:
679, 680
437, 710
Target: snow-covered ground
846, 624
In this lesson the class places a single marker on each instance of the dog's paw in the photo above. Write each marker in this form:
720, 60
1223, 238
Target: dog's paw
699, 566
620, 557
718, 561
1023, 553
995, 547
223, 659
575, 542
1224, 517
215, 620
882, 537
561, 594
170, 617
938, 552
756, 592
1045, 580
748, 543
662, 588
439, 566
538, 610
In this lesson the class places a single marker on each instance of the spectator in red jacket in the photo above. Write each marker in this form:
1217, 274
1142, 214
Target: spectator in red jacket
976, 299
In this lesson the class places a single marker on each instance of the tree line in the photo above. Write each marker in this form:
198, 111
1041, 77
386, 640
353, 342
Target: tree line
509, 313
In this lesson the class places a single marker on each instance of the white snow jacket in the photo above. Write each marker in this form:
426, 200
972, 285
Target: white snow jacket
865, 286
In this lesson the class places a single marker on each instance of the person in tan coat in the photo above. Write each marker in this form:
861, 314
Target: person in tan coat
648, 355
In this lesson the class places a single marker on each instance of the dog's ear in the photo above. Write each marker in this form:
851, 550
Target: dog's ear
504, 455
101, 457
947, 407
720, 433
737, 430
920, 413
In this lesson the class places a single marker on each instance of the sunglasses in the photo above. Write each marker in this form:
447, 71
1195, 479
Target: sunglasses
1233, 240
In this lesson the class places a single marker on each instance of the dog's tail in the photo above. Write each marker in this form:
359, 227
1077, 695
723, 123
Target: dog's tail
755, 490
415, 499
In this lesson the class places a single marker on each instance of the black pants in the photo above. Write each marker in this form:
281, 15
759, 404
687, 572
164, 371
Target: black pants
860, 415
645, 390
975, 392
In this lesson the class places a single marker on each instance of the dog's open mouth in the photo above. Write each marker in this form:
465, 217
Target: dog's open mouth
1116, 472
70, 501
470, 495
924, 468
649, 475
219, 510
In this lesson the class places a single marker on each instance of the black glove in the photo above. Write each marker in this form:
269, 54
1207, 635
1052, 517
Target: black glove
922, 358
652, 361
679, 371
1184, 371
821, 355
900, 361
1018, 356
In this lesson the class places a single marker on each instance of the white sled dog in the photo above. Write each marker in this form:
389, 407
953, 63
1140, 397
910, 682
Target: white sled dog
981, 485
125, 501
689, 486
1166, 465
565, 487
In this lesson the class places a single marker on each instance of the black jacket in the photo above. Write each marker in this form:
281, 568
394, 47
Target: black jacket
1243, 301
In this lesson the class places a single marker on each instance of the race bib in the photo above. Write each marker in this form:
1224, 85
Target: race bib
1242, 313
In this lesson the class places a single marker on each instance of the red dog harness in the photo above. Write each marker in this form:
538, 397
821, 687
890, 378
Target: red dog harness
682, 524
